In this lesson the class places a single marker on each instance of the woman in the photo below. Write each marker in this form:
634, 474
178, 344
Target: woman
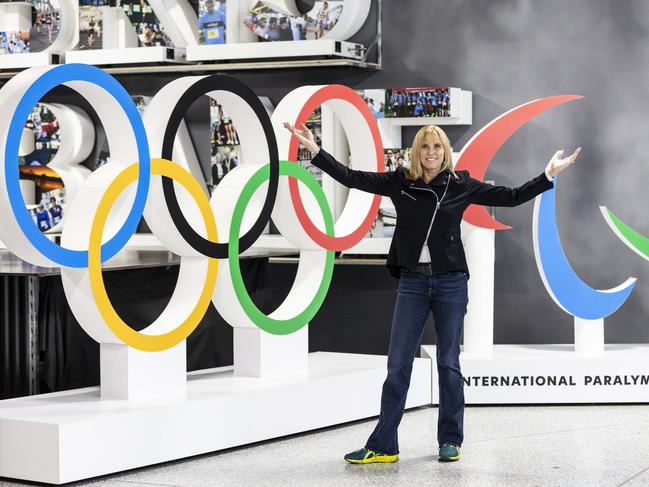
427, 254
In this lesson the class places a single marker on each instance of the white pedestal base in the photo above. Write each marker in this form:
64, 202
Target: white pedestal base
258, 354
589, 335
127, 373
74, 435
547, 374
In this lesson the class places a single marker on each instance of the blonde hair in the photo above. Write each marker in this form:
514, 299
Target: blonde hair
415, 171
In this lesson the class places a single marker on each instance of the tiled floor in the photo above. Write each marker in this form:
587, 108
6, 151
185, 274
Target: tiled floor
504, 446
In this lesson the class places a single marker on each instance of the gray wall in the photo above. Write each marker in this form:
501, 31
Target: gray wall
509, 52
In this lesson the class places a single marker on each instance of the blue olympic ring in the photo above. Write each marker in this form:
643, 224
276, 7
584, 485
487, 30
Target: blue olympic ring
49, 80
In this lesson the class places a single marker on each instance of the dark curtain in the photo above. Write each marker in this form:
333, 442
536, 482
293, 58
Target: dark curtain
69, 358
15, 340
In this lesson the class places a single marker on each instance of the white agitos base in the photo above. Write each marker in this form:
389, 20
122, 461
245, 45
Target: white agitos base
548, 374
68, 436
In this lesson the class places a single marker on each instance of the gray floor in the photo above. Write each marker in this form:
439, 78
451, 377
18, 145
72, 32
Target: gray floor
504, 446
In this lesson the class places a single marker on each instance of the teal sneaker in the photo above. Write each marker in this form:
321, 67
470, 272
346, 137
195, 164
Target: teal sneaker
449, 452
368, 456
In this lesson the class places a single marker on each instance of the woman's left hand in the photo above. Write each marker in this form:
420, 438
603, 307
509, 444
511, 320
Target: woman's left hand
558, 163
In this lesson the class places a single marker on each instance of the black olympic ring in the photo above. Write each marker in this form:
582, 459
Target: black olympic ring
194, 92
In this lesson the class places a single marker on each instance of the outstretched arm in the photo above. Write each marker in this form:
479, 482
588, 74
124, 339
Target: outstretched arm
371, 182
490, 195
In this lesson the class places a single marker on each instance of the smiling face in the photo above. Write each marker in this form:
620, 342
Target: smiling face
431, 153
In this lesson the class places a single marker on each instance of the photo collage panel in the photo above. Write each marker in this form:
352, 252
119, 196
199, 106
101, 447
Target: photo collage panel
139, 12
395, 158
146, 23
91, 24
224, 141
47, 208
211, 22
418, 102
375, 100
271, 25
46, 25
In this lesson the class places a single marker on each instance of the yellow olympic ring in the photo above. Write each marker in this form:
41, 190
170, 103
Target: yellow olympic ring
135, 339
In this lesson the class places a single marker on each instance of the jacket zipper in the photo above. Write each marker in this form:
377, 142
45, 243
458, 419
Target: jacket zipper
409, 195
437, 205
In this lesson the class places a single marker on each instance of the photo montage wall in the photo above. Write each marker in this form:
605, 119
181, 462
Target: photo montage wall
189, 24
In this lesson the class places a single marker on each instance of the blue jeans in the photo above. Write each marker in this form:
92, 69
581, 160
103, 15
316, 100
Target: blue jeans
444, 294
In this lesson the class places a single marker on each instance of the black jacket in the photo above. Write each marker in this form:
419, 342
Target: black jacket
415, 203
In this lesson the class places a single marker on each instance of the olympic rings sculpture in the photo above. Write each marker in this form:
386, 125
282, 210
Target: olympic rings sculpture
104, 214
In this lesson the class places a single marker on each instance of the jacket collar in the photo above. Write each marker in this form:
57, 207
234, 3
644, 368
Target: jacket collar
437, 181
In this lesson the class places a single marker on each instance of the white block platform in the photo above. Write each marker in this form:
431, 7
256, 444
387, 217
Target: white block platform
68, 436
28, 60
270, 50
128, 55
548, 374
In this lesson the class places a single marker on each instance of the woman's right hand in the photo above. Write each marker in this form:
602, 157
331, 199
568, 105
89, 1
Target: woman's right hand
304, 135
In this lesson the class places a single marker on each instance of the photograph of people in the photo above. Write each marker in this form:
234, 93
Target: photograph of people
146, 23
211, 22
46, 136
55, 210
272, 31
42, 217
46, 25
90, 27
396, 158
375, 100
418, 102
224, 142
322, 20
429, 198
14, 42
298, 27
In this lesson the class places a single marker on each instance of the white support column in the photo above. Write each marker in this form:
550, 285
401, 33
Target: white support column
130, 374
179, 21
28, 190
235, 13
334, 141
261, 354
15, 16
589, 336
118, 32
479, 246
390, 133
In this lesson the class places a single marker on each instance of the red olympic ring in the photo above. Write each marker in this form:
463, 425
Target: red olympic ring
335, 92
